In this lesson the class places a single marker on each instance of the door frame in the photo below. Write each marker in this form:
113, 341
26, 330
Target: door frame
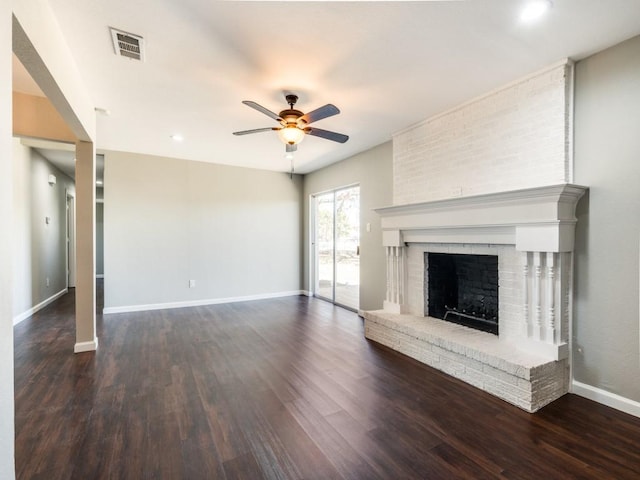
71, 238
313, 258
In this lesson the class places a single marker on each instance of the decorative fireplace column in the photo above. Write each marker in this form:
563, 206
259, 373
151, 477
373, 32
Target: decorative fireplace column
546, 287
396, 271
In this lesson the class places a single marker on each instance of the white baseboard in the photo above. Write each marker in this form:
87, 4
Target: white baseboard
609, 399
90, 346
24, 315
198, 303
306, 293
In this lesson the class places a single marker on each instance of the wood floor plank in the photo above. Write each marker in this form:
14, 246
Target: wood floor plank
279, 389
341, 454
309, 460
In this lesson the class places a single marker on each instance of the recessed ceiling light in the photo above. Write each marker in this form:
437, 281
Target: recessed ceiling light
177, 137
535, 9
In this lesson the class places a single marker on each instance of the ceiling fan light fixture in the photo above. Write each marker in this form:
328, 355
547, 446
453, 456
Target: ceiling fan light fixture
291, 135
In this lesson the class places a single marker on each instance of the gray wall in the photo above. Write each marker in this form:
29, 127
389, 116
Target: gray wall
607, 160
235, 231
39, 248
372, 170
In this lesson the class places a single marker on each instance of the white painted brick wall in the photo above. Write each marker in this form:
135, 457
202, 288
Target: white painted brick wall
515, 137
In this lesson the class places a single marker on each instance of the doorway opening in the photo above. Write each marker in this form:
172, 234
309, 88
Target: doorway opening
337, 247
71, 240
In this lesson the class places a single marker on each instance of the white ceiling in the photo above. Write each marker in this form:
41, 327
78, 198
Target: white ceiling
386, 65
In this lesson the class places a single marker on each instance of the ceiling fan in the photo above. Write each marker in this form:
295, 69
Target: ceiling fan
294, 124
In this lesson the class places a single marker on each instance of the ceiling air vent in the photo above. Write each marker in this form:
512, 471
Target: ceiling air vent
127, 44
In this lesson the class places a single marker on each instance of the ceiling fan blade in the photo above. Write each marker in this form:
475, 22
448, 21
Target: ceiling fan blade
319, 113
318, 132
291, 148
261, 109
255, 130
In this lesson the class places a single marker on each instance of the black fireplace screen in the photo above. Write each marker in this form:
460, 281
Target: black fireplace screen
463, 289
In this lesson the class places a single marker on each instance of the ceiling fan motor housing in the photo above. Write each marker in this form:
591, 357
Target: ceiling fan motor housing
290, 115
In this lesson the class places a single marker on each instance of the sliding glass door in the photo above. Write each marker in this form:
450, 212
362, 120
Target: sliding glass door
337, 246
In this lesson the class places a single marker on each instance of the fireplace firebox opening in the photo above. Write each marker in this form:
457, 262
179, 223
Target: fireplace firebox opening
463, 289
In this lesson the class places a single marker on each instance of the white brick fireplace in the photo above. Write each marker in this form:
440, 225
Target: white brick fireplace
490, 177
531, 231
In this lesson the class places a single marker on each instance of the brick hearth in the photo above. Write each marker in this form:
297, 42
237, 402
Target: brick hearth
478, 358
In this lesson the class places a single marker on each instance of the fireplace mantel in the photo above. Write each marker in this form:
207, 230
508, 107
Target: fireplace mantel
540, 219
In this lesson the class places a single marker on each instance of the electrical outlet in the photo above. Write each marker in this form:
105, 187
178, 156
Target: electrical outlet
192, 283
47, 281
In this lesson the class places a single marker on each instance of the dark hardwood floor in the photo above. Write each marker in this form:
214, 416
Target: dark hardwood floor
280, 389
